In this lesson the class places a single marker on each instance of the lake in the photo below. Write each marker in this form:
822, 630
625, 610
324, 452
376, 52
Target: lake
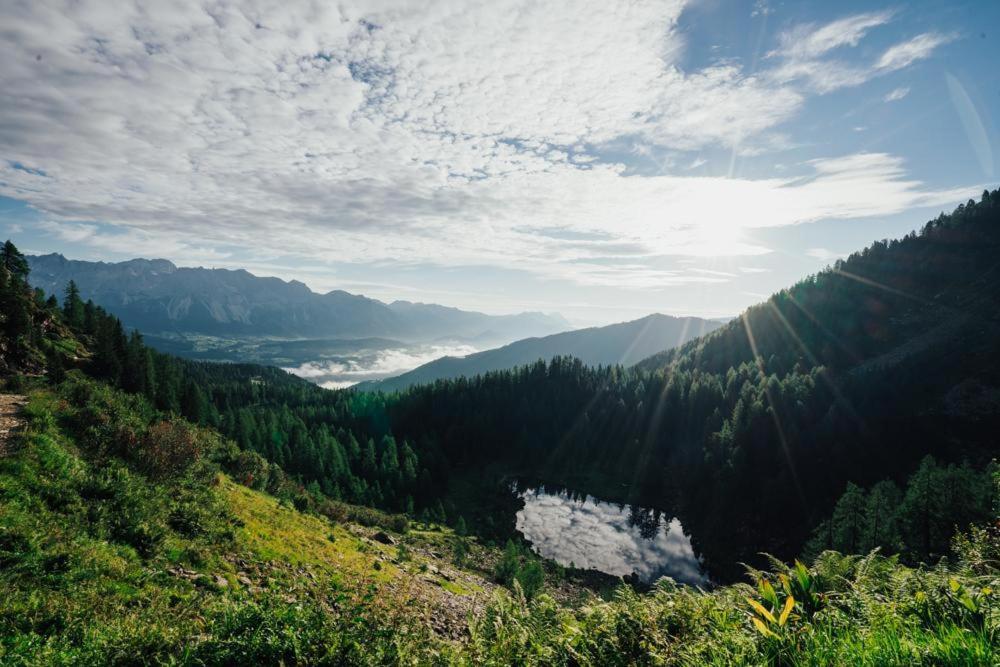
615, 539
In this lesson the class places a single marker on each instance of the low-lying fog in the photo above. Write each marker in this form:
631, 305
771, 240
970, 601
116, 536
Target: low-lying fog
346, 369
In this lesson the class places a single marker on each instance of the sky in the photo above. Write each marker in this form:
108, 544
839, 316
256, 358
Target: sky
603, 160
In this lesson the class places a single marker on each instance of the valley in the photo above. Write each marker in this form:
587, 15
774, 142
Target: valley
499, 334
419, 526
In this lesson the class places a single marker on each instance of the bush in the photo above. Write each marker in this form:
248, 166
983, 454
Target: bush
126, 508
510, 562
366, 516
169, 448
16, 547
249, 469
531, 578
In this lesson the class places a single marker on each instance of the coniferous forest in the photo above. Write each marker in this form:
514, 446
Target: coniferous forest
854, 412
865, 386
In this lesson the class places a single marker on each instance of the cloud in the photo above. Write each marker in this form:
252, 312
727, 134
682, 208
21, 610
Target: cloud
896, 94
822, 254
364, 364
808, 41
803, 51
906, 53
404, 133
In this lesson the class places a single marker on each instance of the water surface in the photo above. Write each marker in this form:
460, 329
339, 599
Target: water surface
616, 539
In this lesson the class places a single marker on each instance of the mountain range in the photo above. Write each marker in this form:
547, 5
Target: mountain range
624, 343
157, 297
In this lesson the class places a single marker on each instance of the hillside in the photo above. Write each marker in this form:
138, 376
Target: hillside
110, 560
155, 296
853, 376
624, 343
131, 535
878, 308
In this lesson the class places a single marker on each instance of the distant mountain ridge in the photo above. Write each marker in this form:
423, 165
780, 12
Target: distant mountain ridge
156, 296
623, 343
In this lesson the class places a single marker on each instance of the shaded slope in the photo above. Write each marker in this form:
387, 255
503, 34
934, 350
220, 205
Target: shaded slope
156, 296
870, 304
623, 343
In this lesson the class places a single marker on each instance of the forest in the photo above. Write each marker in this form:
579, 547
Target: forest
179, 510
861, 395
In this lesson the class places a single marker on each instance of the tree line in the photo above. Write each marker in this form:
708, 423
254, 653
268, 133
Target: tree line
748, 435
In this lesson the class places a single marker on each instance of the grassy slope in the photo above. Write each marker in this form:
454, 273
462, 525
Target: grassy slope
257, 582
77, 592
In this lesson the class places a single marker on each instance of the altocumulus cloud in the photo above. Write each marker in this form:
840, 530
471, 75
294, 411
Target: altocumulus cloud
405, 131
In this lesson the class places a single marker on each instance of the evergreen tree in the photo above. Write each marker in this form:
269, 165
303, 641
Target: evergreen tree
73, 307
14, 263
509, 565
531, 577
194, 405
919, 512
849, 520
881, 522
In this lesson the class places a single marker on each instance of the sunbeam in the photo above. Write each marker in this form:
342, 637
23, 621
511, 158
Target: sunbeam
759, 361
835, 390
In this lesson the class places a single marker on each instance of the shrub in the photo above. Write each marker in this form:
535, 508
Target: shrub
531, 578
169, 448
126, 508
510, 562
16, 547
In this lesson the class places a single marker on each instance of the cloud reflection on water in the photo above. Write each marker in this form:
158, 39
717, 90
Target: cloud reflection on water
599, 535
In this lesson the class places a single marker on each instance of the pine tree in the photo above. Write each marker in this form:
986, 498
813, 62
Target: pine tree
73, 308
16, 325
509, 565
531, 577
919, 509
881, 523
14, 263
849, 519
194, 405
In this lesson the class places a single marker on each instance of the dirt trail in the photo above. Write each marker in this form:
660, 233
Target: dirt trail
10, 406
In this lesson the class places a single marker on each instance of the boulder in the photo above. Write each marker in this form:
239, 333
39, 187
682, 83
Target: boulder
383, 537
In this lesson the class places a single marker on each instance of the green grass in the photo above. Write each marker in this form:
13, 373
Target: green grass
100, 564
89, 550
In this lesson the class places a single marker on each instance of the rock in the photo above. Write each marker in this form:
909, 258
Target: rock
383, 537
244, 579
221, 581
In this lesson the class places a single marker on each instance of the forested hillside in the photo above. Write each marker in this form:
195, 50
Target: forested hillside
131, 535
749, 435
624, 343
752, 433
